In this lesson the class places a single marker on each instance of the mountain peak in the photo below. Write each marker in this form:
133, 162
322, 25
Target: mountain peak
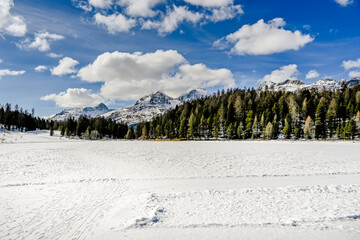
150, 106
98, 110
101, 106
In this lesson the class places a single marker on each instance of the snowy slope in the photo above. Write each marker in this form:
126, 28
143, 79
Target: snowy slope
293, 85
91, 112
56, 188
150, 106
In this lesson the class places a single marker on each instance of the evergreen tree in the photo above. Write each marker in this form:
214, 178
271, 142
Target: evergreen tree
130, 134
308, 128
320, 115
249, 123
240, 131
287, 128
350, 129
269, 131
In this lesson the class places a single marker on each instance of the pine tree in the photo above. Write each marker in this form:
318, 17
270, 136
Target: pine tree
145, 134
331, 117
297, 133
287, 128
183, 128
308, 128
255, 128
240, 130
130, 134
230, 131
350, 129
320, 115
192, 126
269, 131
248, 124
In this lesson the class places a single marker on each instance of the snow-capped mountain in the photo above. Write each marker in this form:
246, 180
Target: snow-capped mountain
287, 85
150, 106
322, 84
96, 111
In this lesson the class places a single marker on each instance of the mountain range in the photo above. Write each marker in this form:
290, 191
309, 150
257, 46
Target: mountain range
144, 109
91, 112
157, 103
293, 85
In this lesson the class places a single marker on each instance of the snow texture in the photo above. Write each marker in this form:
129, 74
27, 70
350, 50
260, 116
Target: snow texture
59, 188
75, 113
322, 84
148, 107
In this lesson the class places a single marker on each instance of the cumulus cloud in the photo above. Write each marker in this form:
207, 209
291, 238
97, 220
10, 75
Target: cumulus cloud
172, 19
74, 97
115, 22
127, 76
40, 42
101, 3
7, 72
54, 55
312, 74
210, 3
66, 66
139, 8
224, 13
282, 74
11, 24
40, 68
124, 15
263, 38
354, 74
344, 3
351, 64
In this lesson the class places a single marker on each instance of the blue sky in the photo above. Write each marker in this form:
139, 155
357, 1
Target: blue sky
91, 51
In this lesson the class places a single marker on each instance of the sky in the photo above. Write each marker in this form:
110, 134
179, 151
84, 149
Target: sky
74, 53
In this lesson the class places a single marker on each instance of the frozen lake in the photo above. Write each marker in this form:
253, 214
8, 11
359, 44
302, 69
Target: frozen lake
52, 188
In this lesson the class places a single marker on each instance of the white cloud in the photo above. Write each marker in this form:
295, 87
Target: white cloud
101, 3
312, 74
344, 3
74, 97
210, 3
115, 22
354, 74
351, 64
282, 74
123, 15
66, 66
172, 19
307, 27
139, 8
83, 4
1, 60
224, 13
41, 41
54, 55
264, 38
9, 23
40, 68
128, 76
7, 72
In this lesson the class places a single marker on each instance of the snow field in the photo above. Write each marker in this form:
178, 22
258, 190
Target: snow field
56, 188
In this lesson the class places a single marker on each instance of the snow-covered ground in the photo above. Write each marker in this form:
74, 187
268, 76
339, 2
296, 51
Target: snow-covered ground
56, 188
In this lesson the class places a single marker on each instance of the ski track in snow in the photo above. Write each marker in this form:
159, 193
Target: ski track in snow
56, 188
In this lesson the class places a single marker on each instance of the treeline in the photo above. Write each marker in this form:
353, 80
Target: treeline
21, 120
251, 114
90, 128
